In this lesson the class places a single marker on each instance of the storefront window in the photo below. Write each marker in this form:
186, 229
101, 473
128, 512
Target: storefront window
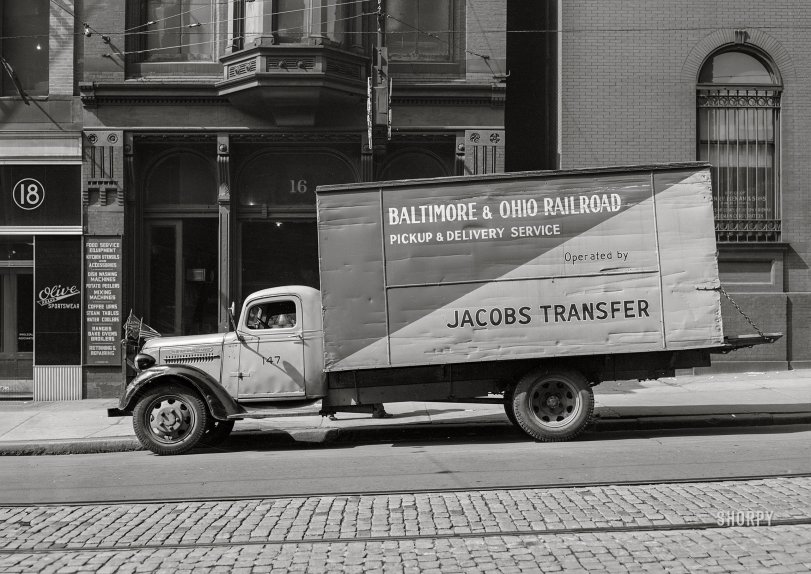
25, 313
16, 296
17, 249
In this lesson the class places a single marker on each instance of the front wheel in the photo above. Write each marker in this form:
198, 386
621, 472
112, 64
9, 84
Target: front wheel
170, 419
553, 406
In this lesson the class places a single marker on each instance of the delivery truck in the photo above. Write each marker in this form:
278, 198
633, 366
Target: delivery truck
524, 288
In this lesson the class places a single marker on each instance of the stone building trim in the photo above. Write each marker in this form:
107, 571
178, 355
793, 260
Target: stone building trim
744, 36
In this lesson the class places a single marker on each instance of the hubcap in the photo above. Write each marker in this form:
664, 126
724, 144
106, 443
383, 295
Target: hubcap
554, 403
170, 419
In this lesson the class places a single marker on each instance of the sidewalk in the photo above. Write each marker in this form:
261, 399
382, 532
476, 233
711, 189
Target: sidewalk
720, 400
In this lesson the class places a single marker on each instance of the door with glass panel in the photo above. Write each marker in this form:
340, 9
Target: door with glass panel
16, 332
181, 276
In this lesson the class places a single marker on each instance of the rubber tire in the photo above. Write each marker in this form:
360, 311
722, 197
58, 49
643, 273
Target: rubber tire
217, 432
577, 391
508, 407
152, 397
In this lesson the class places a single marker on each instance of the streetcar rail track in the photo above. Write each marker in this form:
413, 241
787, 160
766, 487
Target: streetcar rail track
66, 548
345, 493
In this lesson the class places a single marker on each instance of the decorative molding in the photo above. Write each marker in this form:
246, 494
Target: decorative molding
131, 93
102, 167
401, 137
493, 95
753, 99
43, 230
298, 137
293, 83
177, 138
459, 163
223, 169
129, 171
729, 37
748, 230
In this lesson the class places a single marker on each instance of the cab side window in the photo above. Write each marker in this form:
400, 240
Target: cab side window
275, 315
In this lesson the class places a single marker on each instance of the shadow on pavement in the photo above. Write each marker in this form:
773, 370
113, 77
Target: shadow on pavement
450, 434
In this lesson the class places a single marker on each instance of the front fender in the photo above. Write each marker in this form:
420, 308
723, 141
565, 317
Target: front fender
220, 403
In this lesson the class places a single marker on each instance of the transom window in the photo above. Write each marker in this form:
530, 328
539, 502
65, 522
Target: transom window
738, 130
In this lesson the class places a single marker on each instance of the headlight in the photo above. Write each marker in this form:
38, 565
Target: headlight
144, 361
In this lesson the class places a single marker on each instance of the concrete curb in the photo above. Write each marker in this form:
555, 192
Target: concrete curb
407, 432
701, 421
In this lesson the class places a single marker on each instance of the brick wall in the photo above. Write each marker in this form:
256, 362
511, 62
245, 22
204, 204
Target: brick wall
628, 81
60, 50
486, 22
102, 61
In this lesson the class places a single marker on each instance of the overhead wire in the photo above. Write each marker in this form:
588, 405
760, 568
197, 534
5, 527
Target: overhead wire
136, 30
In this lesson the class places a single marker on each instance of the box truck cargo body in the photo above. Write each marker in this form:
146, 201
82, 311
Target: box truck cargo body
518, 266
527, 288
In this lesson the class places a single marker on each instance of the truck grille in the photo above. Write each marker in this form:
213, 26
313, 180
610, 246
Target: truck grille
196, 357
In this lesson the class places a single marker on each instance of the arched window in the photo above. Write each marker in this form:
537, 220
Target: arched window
738, 133
182, 178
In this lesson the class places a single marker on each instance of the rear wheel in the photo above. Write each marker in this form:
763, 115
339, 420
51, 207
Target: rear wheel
508, 406
553, 406
170, 419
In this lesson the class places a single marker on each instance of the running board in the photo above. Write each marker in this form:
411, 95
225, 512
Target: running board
268, 410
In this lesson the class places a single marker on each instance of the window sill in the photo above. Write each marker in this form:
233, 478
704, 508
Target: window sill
192, 69
405, 69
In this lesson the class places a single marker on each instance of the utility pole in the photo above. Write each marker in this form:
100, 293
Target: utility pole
379, 104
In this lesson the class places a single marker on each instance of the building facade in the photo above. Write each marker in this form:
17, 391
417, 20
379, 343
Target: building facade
160, 157
654, 81
199, 132
41, 219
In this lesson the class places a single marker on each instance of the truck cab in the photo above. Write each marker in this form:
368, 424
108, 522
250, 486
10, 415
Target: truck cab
192, 388
277, 348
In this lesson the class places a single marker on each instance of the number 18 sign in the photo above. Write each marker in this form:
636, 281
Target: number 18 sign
28, 194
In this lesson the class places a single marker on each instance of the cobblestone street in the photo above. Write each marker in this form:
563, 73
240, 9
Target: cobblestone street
746, 526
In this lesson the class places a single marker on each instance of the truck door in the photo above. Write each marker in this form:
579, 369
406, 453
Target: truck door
271, 360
